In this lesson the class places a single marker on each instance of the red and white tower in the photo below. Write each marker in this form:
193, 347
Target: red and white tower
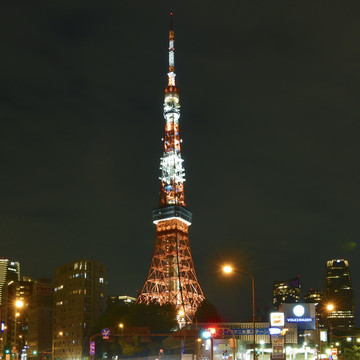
171, 277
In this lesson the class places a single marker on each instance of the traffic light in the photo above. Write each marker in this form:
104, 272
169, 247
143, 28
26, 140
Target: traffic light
7, 350
212, 331
34, 352
232, 343
208, 333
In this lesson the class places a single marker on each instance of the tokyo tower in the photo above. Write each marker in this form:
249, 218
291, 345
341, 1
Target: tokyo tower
171, 277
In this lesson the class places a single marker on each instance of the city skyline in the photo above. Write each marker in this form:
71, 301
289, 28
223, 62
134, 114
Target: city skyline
269, 122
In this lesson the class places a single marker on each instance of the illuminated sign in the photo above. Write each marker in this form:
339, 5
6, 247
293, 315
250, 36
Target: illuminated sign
274, 331
299, 310
92, 348
277, 319
301, 314
2, 326
246, 331
323, 335
105, 333
299, 320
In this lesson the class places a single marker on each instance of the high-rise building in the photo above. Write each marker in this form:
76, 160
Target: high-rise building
40, 314
9, 270
16, 318
339, 292
317, 297
79, 300
286, 291
313, 296
171, 277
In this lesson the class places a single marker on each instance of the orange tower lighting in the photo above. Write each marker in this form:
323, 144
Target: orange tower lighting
171, 277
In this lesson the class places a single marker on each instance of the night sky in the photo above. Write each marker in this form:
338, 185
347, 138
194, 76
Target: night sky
270, 126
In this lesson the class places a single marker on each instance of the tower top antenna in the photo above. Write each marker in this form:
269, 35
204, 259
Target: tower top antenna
171, 73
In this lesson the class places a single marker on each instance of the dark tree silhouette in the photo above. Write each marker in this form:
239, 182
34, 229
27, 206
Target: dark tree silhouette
157, 319
207, 313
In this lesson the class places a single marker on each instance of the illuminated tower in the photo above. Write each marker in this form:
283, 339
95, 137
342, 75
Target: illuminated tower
339, 292
171, 277
9, 270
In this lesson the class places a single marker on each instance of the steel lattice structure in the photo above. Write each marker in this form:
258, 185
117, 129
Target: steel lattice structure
171, 277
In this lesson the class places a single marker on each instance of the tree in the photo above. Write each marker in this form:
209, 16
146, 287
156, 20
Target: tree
352, 353
207, 313
159, 320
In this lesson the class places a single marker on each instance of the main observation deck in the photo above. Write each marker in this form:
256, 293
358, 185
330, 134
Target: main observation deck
172, 212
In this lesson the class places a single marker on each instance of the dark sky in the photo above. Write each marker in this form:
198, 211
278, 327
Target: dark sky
270, 123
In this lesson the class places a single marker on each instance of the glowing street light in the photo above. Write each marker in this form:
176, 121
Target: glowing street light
262, 343
227, 269
18, 305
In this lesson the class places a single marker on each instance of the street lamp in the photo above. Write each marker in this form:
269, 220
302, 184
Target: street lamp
227, 269
18, 305
330, 308
262, 343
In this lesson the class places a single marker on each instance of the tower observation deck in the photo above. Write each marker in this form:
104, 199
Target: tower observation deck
171, 277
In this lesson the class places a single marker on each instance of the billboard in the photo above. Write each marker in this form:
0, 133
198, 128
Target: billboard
277, 347
277, 319
302, 314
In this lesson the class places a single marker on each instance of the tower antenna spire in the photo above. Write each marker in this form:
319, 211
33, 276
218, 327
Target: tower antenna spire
172, 277
171, 73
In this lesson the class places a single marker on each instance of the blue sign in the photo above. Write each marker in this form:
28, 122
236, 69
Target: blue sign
105, 333
247, 331
297, 320
301, 314
274, 331
2, 326
92, 348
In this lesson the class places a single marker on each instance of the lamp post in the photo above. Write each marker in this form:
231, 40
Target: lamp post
328, 308
18, 305
262, 343
227, 269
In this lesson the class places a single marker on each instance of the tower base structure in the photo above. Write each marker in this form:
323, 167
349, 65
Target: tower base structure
171, 277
